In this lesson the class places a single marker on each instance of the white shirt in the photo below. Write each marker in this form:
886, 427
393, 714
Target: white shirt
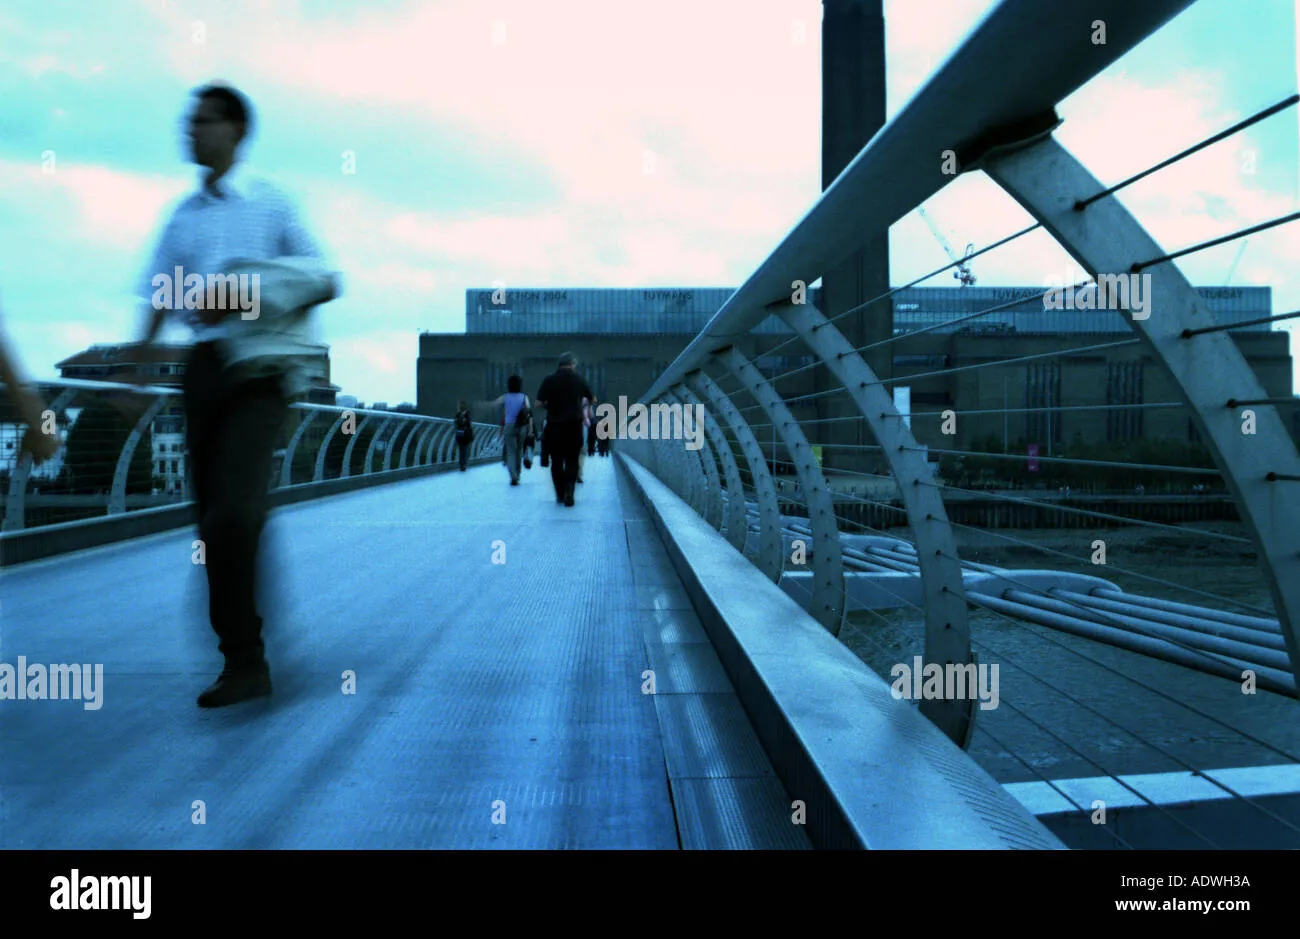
243, 217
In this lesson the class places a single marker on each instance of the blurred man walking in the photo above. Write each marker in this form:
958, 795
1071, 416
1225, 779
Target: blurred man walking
241, 371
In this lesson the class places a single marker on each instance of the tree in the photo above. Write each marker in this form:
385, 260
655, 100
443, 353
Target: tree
94, 443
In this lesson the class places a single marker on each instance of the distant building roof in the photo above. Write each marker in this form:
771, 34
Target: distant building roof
127, 354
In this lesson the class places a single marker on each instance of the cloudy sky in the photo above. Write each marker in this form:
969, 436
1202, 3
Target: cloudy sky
509, 140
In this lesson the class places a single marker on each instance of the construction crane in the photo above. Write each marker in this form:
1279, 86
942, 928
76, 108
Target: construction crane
1233, 269
963, 273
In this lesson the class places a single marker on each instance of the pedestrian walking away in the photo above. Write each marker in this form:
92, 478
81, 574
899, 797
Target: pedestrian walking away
562, 393
530, 441
464, 433
516, 418
243, 371
582, 443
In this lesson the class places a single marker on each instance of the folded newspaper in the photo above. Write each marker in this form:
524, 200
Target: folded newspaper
273, 338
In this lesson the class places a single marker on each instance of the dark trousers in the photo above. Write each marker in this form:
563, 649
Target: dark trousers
231, 432
563, 443
463, 446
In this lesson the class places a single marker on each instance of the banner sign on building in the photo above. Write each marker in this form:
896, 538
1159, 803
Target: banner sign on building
903, 404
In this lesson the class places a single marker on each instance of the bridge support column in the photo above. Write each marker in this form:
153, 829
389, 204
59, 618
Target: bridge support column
347, 453
417, 431
374, 441
444, 442
325, 445
735, 524
827, 602
712, 511
770, 555
286, 469
1210, 370
947, 632
117, 497
685, 467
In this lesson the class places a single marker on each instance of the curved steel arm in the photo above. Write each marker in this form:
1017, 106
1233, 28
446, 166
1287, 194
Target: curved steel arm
735, 521
713, 486
947, 633
347, 453
770, 554
1209, 368
828, 563
325, 445
286, 469
117, 497
374, 441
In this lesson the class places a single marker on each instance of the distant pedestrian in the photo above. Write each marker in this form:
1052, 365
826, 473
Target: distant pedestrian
562, 393
464, 432
582, 443
516, 417
530, 441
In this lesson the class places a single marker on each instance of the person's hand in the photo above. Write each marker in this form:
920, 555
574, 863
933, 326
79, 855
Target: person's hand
40, 445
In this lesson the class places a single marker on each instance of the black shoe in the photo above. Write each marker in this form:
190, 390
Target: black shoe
236, 685
528, 464
578, 480
569, 501
514, 482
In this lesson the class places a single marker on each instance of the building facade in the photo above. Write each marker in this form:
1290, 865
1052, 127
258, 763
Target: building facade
625, 338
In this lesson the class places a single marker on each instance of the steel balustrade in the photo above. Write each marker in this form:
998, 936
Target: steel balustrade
735, 524
346, 469
15, 501
770, 548
71, 394
1024, 58
713, 502
286, 470
828, 566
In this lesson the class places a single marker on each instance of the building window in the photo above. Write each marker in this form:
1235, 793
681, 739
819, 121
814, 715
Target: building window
924, 361
1123, 386
174, 468
931, 397
1043, 392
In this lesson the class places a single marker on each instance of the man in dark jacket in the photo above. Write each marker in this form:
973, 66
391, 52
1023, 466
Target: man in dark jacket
561, 394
